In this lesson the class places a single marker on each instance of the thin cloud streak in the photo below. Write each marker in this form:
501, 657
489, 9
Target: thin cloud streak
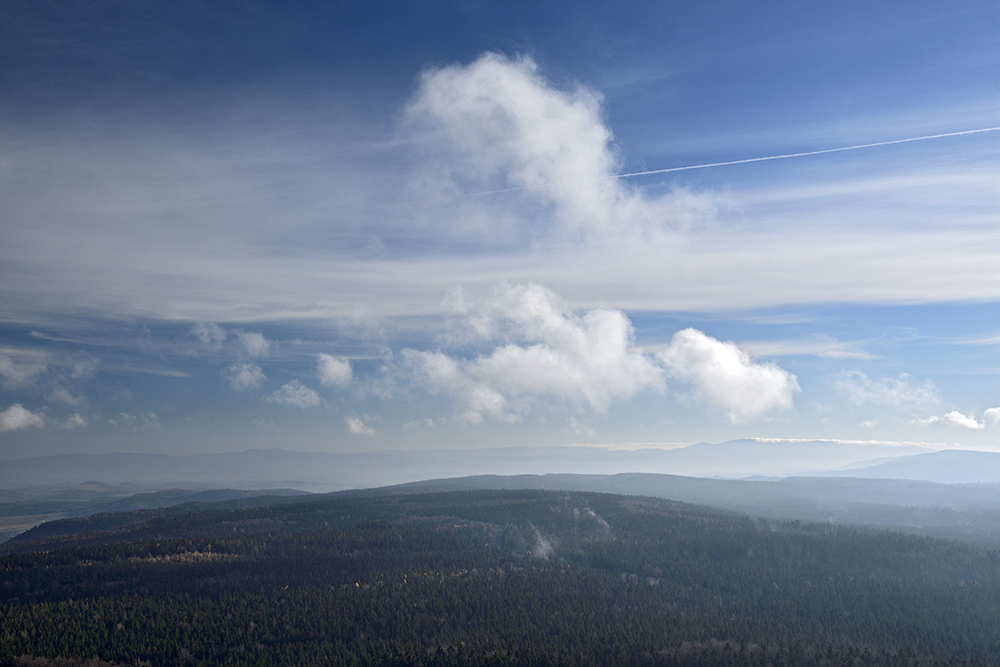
818, 347
849, 266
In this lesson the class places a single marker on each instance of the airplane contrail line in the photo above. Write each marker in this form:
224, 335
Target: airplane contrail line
753, 159
805, 154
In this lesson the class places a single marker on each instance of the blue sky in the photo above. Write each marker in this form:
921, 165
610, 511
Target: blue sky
338, 227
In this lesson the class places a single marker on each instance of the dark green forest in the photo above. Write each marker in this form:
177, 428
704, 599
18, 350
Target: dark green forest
488, 578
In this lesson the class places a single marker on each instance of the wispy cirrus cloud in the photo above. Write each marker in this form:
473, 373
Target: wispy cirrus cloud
903, 392
816, 346
492, 123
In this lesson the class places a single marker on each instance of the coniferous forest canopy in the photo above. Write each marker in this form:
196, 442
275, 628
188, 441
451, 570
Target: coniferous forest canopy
488, 578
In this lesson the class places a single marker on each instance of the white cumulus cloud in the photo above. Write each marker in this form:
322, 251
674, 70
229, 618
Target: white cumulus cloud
550, 352
244, 376
992, 416
19, 369
17, 417
148, 420
210, 334
63, 395
295, 394
246, 344
957, 419
253, 344
725, 376
357, 426
241, 347
74, 421
333, 370
84, 368
902, 392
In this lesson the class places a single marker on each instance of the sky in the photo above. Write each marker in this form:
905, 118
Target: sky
394, 225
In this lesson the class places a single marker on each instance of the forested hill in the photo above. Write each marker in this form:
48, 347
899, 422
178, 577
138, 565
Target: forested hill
490, 578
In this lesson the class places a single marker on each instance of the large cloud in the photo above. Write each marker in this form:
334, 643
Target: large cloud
723, 375
18, 417
588, 359
498, 124
551, 352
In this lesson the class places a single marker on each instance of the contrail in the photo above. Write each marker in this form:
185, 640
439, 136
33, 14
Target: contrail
819, 152
753, 159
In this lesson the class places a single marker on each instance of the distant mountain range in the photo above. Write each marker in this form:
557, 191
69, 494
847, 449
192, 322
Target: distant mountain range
317, 471
22, 509
969, 512
947, 467
945, 493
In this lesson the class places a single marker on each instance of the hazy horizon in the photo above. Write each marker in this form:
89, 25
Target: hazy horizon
358, 228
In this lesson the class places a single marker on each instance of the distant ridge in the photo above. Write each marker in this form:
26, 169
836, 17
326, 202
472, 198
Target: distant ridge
969, 512
327, 471
947, 467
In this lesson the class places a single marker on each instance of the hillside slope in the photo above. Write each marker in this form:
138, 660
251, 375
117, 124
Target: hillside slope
491, 577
